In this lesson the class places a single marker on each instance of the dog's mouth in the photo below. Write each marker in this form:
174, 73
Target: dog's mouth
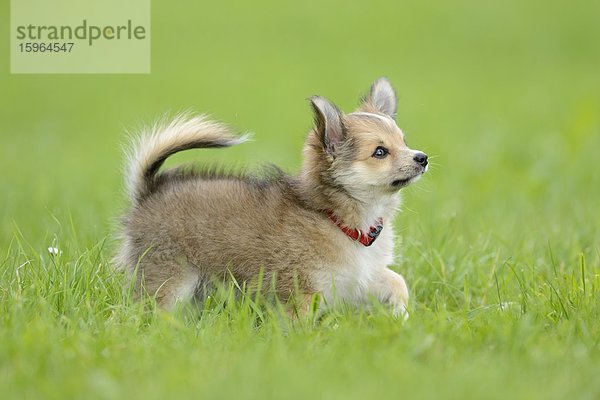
398, 183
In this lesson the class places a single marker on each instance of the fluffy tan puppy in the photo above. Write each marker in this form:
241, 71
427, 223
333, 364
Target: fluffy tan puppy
327, 230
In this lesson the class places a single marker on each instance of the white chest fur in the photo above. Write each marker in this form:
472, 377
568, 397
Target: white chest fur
358, 269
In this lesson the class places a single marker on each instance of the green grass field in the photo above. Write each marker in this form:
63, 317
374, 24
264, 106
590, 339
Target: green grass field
499, 243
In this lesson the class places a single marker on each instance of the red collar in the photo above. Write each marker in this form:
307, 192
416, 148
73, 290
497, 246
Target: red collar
365, 238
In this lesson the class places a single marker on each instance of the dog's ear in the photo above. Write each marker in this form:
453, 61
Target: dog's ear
328, 123
381, 97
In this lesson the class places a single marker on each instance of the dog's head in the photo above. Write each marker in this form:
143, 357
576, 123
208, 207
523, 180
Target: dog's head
364, 152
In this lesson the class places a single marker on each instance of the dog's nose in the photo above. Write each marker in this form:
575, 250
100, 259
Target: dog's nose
421, 159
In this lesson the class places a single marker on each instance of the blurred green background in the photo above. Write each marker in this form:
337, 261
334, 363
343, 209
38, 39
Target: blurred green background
503, 95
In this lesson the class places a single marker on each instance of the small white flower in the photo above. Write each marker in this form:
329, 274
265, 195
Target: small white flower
54, 251
505, 305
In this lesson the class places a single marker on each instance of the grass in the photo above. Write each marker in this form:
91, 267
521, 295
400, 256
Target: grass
500, 242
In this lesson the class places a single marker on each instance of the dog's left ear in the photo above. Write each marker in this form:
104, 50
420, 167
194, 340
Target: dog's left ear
382, 97
328, 123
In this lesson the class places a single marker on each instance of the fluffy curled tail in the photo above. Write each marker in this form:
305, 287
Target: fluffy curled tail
150, 149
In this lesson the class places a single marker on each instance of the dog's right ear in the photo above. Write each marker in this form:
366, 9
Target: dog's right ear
328, 123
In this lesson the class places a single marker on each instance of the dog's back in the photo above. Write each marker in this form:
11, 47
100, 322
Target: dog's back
196, 225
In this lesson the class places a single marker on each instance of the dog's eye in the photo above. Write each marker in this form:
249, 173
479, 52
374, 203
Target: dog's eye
380, 152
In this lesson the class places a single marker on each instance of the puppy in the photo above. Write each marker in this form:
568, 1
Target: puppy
326, 231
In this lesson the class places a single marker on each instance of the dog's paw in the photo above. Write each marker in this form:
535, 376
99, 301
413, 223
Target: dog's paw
391, 290
400, 312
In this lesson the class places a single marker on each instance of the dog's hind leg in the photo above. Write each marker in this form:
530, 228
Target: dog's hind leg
169, 283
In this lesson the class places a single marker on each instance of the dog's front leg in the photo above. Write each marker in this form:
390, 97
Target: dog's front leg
390, 289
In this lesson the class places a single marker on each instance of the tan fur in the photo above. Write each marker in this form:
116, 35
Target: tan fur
186, 228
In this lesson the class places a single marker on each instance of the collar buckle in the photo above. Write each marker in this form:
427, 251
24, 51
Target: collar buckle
357, 235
